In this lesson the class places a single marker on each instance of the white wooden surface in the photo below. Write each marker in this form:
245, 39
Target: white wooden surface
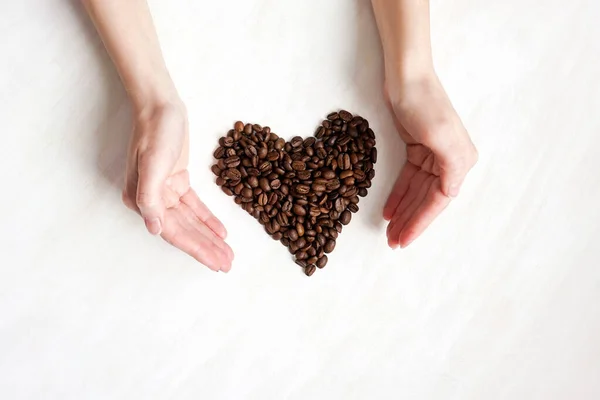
498, 300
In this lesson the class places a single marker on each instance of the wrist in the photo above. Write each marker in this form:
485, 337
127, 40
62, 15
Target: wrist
409, 66
153, 93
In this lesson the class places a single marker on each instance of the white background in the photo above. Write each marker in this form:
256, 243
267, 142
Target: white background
498, 300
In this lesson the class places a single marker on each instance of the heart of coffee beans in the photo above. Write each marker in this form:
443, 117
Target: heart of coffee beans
303, 191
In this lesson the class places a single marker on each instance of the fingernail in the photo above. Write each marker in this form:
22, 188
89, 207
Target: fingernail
153, 226
405, 245
453, 191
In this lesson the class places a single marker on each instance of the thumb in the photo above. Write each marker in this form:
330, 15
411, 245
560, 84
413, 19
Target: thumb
452, 176
152, 176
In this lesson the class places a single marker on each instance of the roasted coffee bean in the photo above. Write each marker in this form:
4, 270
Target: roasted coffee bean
264, 184
302, 189
253, 181
238, 126
232, 174
292, 235
362, 192
275, 184
345, 115
216, 170
227, 191
227, 141
328, 174
238, 188
248, 129
333, 116
300, 229
219, 152
322, 262
352, 207
263, 199
250, 151
310, 270
346, 174
301, 242
329, 246
299, 210
232, 161
345, 217
301, 263
298, 166
296, 141
301, 255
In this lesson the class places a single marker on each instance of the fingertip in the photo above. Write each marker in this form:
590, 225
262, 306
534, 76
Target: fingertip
153, 225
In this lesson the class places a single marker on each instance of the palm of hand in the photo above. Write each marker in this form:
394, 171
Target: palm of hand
157, 184
191, 227
417, 197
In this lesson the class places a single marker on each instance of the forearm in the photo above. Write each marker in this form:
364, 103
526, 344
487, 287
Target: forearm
127, 30
404, 30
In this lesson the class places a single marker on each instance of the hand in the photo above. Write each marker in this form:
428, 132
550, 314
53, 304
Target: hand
439, 156
157, 187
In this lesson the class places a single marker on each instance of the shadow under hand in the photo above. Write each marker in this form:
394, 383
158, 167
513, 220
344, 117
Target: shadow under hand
109, 116
368, 77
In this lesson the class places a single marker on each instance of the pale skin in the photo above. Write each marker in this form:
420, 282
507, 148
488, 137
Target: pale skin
440, 152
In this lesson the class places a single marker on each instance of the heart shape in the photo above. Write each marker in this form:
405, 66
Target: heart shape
303, 191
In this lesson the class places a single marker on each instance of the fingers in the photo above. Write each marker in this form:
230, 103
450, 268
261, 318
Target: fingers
418, 192
399, 190
153, 172
454, 167
429, 209
188, 234
203, 213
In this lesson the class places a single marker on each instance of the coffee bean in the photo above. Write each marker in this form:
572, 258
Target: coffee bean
232, 174
227, 191
333, 116
345, 217
345, 115
296, 141
329, 246
352, 207
310, 270
299, 210
216, 170
238, 188
362, 192
248, 129
253, 181
302, 189
346, 174
301, 242
301, 255
275, 184
298, 166
322, 262
263, 199
232, 161
264, 184
219, 152
300, 229
228, 141
301, 263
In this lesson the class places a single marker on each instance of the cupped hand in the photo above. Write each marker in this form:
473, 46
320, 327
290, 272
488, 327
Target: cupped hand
157, 187
440, 153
